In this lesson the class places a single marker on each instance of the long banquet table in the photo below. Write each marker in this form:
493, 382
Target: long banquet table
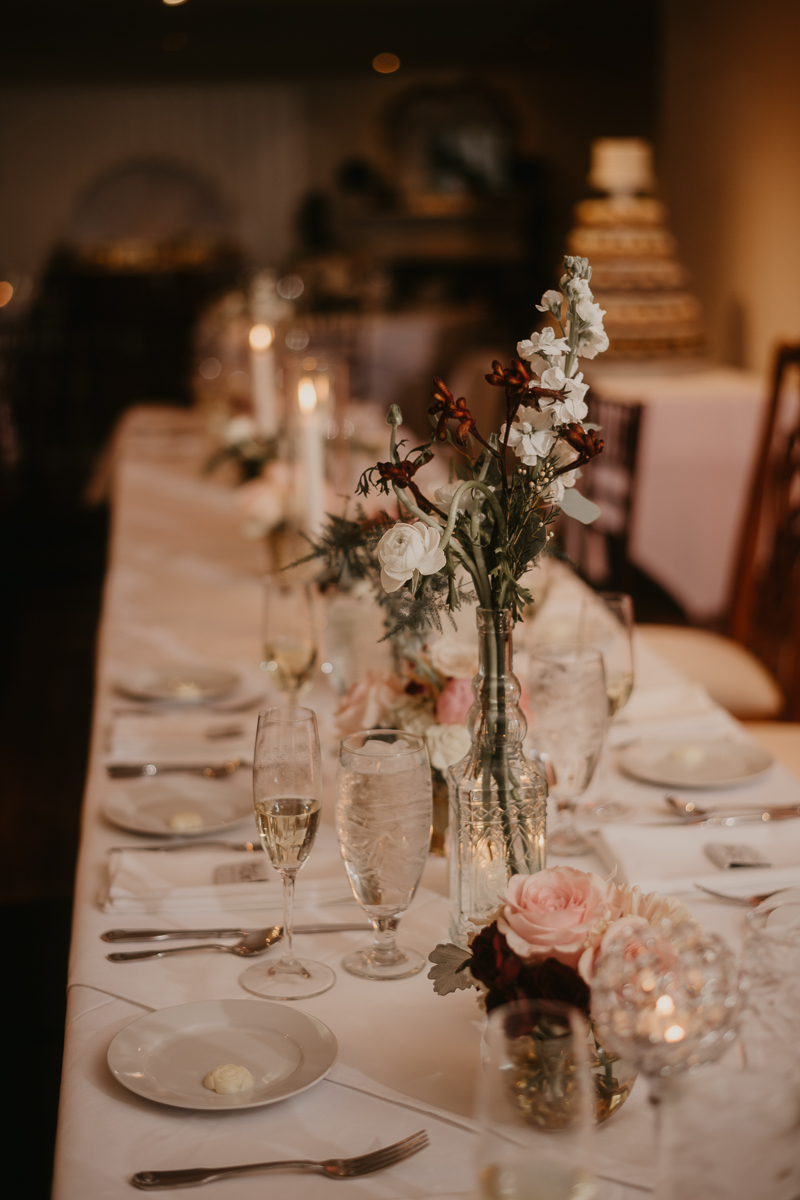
183, 586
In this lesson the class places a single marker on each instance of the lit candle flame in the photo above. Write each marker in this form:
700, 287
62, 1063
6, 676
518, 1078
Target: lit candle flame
665, 1006
675, 1033
307, 396
261, 337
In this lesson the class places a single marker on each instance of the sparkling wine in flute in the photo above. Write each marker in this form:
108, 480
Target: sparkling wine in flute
618, 692
291, 660
287, 826
537, 1181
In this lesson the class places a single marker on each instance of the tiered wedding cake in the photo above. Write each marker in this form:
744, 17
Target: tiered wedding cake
637, 279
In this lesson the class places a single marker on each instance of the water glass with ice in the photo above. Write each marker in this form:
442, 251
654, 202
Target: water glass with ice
383, 821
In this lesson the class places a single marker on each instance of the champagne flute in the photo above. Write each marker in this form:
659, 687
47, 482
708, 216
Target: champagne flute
536, 1104
384, 811
567, 687
609, 628
290, 635
287, 791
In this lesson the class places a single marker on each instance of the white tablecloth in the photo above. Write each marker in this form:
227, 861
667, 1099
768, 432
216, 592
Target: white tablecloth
698, 443
183, 586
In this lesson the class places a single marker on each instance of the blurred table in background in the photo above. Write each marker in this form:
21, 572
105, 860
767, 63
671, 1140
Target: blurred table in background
675, 480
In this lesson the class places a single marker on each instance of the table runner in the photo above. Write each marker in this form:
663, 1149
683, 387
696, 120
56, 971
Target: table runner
183, 585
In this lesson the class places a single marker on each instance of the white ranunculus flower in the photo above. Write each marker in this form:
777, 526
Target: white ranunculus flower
262, 507
413, 714
404, 549
447, 744
531, 436
239, 429
551, 302
454, 658
468, 501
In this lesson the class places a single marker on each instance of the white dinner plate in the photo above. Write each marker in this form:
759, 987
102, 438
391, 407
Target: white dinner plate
177, 683
704, 763
149, 805
166, 1055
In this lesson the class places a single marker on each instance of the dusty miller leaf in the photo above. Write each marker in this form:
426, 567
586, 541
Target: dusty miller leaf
450, 970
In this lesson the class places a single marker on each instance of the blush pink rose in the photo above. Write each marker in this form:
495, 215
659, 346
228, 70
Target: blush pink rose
368, 704
455, 701
552, 914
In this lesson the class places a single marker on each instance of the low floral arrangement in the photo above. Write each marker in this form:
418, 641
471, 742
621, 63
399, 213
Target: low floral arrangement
543, 942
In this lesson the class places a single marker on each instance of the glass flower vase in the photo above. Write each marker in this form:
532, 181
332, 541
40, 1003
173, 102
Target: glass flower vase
497, 796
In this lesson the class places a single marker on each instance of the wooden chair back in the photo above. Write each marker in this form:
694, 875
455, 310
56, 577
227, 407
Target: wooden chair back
765, 613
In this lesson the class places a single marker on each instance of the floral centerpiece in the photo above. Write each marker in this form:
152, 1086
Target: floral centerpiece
430, 694
488, 526
543, 942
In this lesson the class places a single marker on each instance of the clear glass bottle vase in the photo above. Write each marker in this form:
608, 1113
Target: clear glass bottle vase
498, 797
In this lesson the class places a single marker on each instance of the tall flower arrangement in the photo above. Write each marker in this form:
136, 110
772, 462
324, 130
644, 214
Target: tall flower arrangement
489, 524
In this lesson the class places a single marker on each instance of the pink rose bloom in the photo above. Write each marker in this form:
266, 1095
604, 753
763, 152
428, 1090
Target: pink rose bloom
368, 703
455, 701
551, 914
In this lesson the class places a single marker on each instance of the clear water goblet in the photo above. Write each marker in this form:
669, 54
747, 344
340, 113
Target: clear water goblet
287, 793
567, 690
384, 811
535, 1105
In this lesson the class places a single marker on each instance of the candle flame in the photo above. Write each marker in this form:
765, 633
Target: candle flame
307, 395
665, 1006
675, 1033
261, 337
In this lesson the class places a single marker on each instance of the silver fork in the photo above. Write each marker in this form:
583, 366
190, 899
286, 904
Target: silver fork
334, 1168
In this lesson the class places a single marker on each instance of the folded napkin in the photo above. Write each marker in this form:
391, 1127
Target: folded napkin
665, 859
665, 702
183, 881
175, 737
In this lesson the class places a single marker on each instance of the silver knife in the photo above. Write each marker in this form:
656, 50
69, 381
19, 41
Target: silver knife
149, 769
756, 817
168, 847
165, 935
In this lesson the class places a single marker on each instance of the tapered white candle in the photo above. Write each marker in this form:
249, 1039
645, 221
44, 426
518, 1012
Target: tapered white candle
262, 380
312, 456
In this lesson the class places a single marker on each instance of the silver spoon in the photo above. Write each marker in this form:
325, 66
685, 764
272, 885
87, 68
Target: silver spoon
255, 943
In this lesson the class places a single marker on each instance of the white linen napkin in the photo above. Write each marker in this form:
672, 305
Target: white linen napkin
181, 737
665, 859
183, 881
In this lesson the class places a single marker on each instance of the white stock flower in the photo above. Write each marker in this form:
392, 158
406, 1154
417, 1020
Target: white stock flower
573, 406
531, 436
551, 302
404, 549
592, 339
447, 744
578, 289
543, 345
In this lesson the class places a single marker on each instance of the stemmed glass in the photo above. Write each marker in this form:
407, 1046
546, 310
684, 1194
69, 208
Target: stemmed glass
383, 821
536, 1104
567, 686
609, 628
287, 791
290, 632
